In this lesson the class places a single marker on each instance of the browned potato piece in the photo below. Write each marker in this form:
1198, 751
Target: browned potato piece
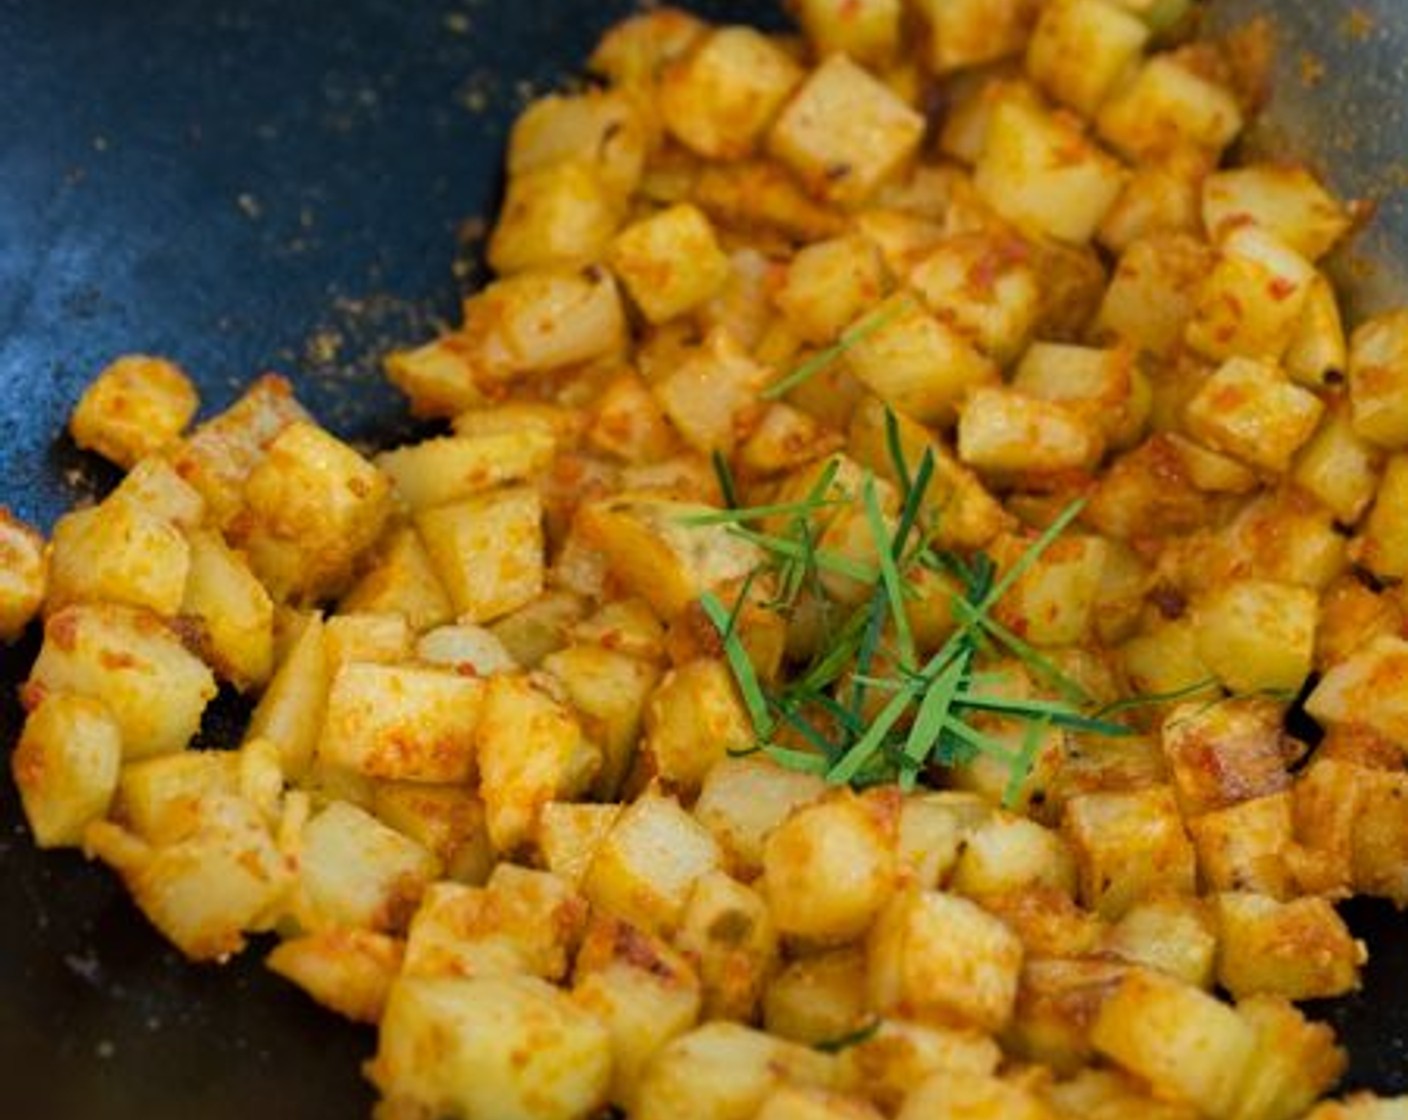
134, 408
349, 971
65, 767
23, 575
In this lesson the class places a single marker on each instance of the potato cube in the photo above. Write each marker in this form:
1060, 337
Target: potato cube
380, 639
439, 378
520, 922
1173, 934
1249, 305
448, 821
1128, 845
711, 396
1052, 602
290, 712
964, 33
1248, 409
1040, 172
512, 1047
984, 286
868, 32
349, 971
568, 835
1153, 292
1366, 689
487, 551
1318, 352
1378, 380
657, 552
65, 767
937, 956
531, 751
1160, 198
436, 472
645, 868
220, 454
743, 800
642, 990
629, 423
355, 871
128, 659
693, 720
845, 132
402, 579
1295, 1061
1081, 49
670, 262
561, 215
161, 799
1107, 1094
1001, 430
23, 575
1382, 544
1284, 199
1183, 1042
1224, 753
933, 833
818, 998
313, 507
606, 128
233, 613
901, 1054
389, 721
1257, 634
204, 891
1107, 385
1168, 105
155, 486
1299, 949
1011, 853
828, 285
727, 930
134, 408
723, 1071
115, 552
719, 99
807, 897
1380, 837
973, 1095
1337, 466
914, 362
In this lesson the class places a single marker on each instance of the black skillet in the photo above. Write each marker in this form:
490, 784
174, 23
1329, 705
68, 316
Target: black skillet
246, 185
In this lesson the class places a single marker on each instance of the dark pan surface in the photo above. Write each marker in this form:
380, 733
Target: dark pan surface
247, 185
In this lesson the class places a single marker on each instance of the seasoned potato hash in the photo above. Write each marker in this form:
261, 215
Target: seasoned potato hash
832, 657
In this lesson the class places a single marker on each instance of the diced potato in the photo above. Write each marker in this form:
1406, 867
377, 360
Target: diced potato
1337, 466
1258, 634
786, 439
220, 454
234, 613
349, 971
469, 650
1107, 1094
643, 991
693, 720
818, 998
1169, 105
487, 551
355, 871
670, 262
645, 868
1295, 1061
402, 579
1153, 292
1380, 837
1283, 199
603, 127
802, 857
724, 1071
933, 833
901, 1054
1053, 600
1249, 305
953, 1096
204, 891
1081, 49
391, 721
985, 286
520, 922
1040, 172
1248, 409
1173, 934
65, 767
290, 713
964, 33
23, 575
560, 215
439, 471
1367, 689
439, 378
134, 408
538, 629
1128, 845
1002, 430
1225, 753
531, 750
118, 553
711, 396
937, 956
914, 362
630, 424
1382, 545
380, 639
828, 285
727, 930
1318, 352
845, 133
132, 662
313, 507
1299, 949
511, 1047
1010, 853
1161, 198
1183, 1042
448, 821
1378, 380
720, 98
160, 799
155, 486
868, 32
742, 800
568, 835
1105, 384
